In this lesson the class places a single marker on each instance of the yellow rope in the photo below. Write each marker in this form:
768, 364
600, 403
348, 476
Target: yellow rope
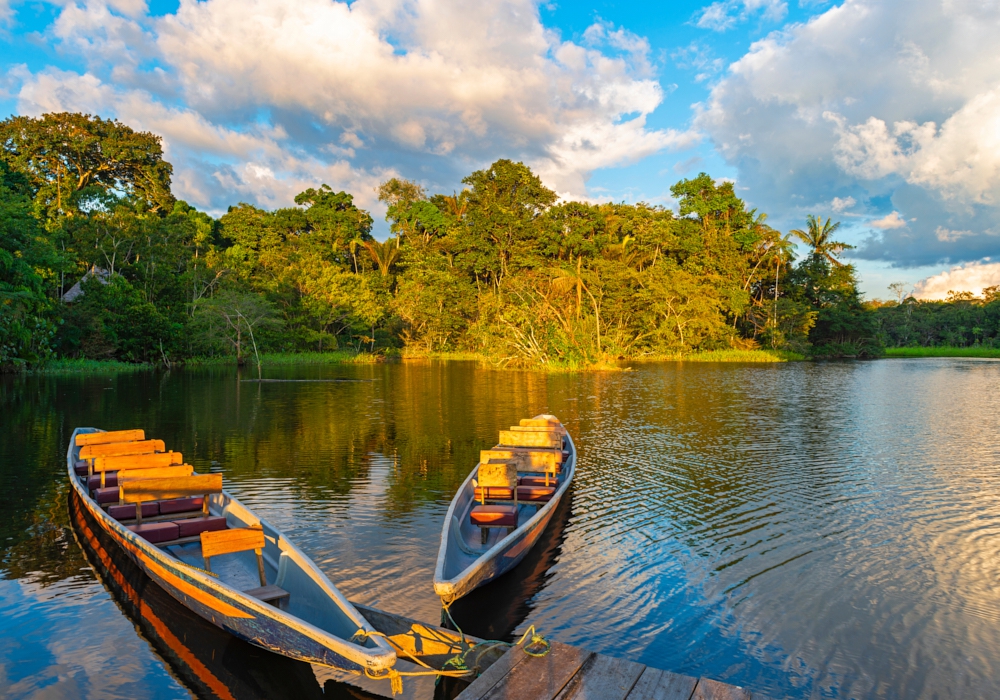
538, 646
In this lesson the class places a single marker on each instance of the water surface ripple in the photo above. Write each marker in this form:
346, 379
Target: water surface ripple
823, 530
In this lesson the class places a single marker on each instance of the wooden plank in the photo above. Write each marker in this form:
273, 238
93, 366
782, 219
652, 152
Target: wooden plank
526, 459
139, 447
156, 459
497, 474
494, 674
84, 439
432, 645
655, 684
238, 539
538, 429
550, 439
537, 422
602, 678
540, 677
707, 689
268, 593
155, 472
143, 490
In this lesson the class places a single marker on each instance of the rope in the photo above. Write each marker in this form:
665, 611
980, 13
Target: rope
457, 666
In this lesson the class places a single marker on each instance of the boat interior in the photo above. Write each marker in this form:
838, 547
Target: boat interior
512, 482
153, 493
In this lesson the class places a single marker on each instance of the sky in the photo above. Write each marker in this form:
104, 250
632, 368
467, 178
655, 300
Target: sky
882, 114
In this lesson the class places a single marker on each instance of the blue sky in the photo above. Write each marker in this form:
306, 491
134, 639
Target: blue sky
883, 114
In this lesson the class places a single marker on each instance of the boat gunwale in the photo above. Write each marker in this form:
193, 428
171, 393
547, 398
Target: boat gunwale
381, 658
505, 542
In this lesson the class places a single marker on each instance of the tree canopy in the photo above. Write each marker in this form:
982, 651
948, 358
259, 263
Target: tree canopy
502, 268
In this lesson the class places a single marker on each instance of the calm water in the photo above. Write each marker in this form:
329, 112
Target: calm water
826, 530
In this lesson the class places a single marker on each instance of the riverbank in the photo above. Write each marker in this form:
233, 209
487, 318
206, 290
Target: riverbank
943, 351
338, 357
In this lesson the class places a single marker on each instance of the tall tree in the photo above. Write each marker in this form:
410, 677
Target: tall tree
68, 156
818, 236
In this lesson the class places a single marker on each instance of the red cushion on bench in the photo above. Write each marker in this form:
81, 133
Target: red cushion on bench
127, 511
110, 479
535, 480
535, 493
81, 467
196, 526
180, 505
155, 532
106, 495
495, 493
494, 516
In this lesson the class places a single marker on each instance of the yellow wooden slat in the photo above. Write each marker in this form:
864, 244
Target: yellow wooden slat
142, 490
525, 459
228, 541
146, 461
139, 447
114, 436
155, 473
539, 422
516, 439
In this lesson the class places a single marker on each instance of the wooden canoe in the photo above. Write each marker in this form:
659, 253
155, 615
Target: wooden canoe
464, 562
310, 620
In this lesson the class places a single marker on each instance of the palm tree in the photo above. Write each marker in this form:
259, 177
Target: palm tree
817, 236
383, 254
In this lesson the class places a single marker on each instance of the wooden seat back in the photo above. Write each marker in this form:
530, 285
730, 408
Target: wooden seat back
527, 460
241, 539
497, 475
544, 439
155, 473
113, 436
139, 491
155, 459
138, 447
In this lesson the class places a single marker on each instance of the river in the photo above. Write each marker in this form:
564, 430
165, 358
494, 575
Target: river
807, 530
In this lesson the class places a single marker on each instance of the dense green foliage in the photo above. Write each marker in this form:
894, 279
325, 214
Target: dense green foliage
501, 269
962, 321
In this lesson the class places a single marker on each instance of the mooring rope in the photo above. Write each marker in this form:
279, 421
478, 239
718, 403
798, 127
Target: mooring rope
457, 666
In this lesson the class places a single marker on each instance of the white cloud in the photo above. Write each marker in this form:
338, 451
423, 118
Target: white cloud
315, 86
891, 102
725, 14
973, 277
839, 205
889, 221
948, 235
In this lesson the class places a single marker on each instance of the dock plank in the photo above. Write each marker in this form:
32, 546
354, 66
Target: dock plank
493, 675
539, 678
602, 678
707, 689
655, 684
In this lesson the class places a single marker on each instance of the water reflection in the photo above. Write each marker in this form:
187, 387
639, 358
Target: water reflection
808, 530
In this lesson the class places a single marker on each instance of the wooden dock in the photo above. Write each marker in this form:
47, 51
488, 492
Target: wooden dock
564, 673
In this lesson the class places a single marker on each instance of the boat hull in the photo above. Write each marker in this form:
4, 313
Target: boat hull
242, 616
503, 556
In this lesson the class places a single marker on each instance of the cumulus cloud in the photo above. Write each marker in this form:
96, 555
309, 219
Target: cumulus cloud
804, 113
973, 277
281, 91
841, 205
889, 221
725, 14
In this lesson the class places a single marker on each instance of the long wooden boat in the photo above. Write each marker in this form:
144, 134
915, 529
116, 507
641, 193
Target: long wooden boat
214, 556
490, 525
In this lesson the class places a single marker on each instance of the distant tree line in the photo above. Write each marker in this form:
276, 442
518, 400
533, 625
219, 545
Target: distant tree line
961, 320
501, 268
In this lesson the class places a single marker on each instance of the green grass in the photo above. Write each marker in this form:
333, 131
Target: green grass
90, 367
271, 359
942, 351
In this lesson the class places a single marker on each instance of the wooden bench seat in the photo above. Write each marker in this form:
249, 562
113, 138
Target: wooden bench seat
268, 594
